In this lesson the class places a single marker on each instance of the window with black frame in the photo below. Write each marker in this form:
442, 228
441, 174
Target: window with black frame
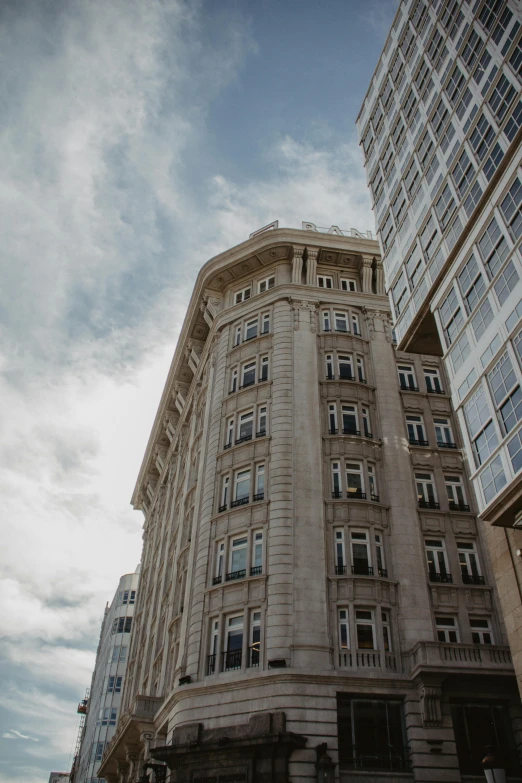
372, 734
478, 725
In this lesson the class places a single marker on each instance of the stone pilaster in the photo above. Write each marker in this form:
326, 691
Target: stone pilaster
379, 278
297, 265
366, 276
311, 265
310, 617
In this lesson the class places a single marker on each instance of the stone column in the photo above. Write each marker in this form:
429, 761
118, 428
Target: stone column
379, 278
311, 648
367, 262
297, 264
311, 265
406, 543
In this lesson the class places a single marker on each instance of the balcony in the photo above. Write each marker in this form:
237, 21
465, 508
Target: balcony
429, 504
375, 498
228, 445
435, 391
445, 444
246, 384
351, 431
416, 442
261, 434
243, 439
217, 580
253, 656
351, 494
411, 387
340, 570
232, 659
440, 578
383, 572
235, 575
367, 758
458, 657
258, 496
256, 570
362, 570
240, 502
473, 579
222, 508
458, 506
369, 659
211, 664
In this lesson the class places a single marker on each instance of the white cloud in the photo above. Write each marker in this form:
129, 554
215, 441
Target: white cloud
17, 735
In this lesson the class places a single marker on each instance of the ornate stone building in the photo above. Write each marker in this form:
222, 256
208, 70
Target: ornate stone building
315, 601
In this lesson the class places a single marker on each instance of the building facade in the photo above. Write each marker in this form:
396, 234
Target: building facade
440, 129
102, 708
315, 600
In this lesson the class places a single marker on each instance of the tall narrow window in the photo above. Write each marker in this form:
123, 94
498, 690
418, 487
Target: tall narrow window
350, 424
416, 432
248, 374
255, 639
238, 558
444, 434
407, 377
230, 433
361, 563
344, 630
361, 375
245, 427
340, 557
237, 340
386, 631
265, 328
260, 483
455, 492
257, 554
264, 368
480, 630
233, 381
345, 364
326, 321
329, 366
354, 480
220, 562
372, 483
433, 382
234, 643
242, 487
469, 564
437, 563
212, 658
224, 494
261, 422
332, 418
341, 322
366, 422
379, 550
365, 629
355, 324
251, 329
447, 629
336, 480
426, 490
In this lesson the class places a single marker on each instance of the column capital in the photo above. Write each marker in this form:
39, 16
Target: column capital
297, 264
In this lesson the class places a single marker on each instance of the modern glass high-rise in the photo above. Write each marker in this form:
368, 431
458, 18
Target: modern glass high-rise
440, 130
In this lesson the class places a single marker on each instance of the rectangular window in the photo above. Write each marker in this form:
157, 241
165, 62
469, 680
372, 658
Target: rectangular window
480, 426
250, 329
332, 418
238, 558
341, 322
265, 285
337, 491
437, 563
386, 631
482, 319
324, 281
514, 122
242, 487
233, 381
416, 431
493, 248
233, 643
326, 321
255, 639
472, 199
447, 629
360, 546
354, 480
482, 137
501, 99
455, 493
493, 478
371, 734
114, 684
472, 49
257, 553
264, 369
345, 365
344, 630
475, 724
445, 206
400, 294
348, 284
98, 751
443, 433
339, 552
367, 429
248, 374
361, 375
237, 340
265, 323
329, 366
356, 329
260, 483
469, 564
214, 637
224, 493
349, 419
261, 422
471, 284
379, 549
506, 282
242, 296
407, 377
511, 208
506, 392
245, 427
229, 439
365, 629
463, 174
429, 238
480, 630
515, 451
433, 382
220, 563
426, 490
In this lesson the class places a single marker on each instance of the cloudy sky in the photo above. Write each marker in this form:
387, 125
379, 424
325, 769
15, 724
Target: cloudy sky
137, 139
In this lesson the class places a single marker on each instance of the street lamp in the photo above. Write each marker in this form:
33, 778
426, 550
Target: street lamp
492, 766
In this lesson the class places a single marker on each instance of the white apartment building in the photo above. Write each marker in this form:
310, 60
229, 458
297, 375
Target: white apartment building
104, 703
440, 130
315, 600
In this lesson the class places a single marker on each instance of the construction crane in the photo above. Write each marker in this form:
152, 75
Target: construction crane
82, 711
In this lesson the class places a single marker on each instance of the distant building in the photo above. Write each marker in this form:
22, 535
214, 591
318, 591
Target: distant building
103, 705
315, 598
59, 777
441, 129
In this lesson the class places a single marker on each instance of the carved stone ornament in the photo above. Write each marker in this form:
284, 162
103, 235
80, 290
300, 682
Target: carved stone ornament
297, 264
378, 321
299, 306
430, 704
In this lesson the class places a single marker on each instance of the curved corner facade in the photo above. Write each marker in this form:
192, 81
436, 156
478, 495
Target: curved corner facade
315, 596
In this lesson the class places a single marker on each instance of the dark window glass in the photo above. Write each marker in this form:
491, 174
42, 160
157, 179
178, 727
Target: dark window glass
371, 734
478, 725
